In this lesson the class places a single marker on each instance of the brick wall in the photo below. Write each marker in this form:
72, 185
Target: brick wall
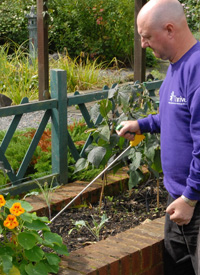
133, 252
137, 251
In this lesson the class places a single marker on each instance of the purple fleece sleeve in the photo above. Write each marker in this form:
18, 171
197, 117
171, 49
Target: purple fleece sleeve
150, 124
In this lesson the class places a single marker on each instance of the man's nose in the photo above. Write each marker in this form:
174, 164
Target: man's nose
144, 43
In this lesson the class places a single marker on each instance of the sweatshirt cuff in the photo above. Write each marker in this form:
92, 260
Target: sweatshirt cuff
144, 125
191, 193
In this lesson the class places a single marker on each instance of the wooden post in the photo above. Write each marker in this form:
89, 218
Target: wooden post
43, 54
139, 53
59, 125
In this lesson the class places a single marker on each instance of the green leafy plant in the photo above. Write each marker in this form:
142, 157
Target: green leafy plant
22, 247
95, 229
124, 103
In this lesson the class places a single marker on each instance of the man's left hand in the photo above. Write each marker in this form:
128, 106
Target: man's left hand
180, 212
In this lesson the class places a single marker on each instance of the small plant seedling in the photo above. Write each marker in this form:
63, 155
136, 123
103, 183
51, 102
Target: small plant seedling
95, 230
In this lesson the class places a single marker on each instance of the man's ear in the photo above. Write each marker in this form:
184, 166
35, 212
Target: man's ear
170, 30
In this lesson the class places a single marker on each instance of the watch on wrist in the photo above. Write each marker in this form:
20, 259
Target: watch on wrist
191, 203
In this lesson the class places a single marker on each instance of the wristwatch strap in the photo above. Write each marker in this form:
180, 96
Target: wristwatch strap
191, 203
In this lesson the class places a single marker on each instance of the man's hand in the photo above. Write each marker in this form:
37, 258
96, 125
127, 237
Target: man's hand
130, 126
180, 212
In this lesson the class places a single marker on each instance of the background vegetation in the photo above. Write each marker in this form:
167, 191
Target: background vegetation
99, 28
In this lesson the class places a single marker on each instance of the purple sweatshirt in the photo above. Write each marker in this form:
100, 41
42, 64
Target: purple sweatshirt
178, 122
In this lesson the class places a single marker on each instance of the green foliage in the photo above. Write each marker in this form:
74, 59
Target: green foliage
23, 250
41, 162
13, 21
135, 103
192, 11
100, 28
17, 79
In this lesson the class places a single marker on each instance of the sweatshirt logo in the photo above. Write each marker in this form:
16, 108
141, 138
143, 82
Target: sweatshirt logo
178, 100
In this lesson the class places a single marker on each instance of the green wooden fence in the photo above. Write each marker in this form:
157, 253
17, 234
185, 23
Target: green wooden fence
56, 109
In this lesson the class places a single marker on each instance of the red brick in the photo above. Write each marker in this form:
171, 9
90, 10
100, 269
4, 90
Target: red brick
146, 257
156, 270
136, 235
125, 263
81, 265
157, 255
103, 270
114, 268
112, 250
136, 243
136, 262
69, 272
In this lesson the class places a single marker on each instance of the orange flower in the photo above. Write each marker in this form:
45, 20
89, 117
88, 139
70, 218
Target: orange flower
2, 201
11, 222
17, 209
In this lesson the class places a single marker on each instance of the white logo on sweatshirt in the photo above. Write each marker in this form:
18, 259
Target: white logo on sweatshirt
179, 100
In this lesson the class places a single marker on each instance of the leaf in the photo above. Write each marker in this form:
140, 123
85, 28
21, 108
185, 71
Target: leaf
35, 254
6, 261
104, 219
105, 107
53, 238
38, 269
52, 268
27, 240
112, 92
61, 250
94, 112
136, 161
134, 178
156, 165
96, 155
80, 223
27, 217
36, 225
5, 250
52, 258
105, 133
81, 164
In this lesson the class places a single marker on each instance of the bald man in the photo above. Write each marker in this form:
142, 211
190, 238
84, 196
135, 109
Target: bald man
163, 27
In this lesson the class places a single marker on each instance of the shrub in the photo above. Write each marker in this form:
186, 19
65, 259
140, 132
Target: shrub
13, 21
100, 28
192, 11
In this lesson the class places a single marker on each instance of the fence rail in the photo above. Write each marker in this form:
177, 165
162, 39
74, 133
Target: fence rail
56, 110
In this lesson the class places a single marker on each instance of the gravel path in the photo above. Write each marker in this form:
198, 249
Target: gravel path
32, 120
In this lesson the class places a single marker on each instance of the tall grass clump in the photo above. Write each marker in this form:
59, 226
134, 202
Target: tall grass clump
18, 78
82, 73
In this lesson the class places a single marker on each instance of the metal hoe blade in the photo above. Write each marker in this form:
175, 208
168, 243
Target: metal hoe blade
102, 172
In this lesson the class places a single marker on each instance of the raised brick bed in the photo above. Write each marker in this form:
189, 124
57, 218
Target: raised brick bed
133, 252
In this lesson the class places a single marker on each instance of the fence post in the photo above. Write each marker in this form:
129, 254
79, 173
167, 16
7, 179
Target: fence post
59, 125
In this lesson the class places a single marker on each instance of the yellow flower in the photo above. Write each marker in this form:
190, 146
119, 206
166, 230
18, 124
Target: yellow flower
17, 209
11, 222
2, 201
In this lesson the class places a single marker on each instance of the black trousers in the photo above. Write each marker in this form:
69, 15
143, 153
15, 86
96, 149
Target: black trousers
181, 245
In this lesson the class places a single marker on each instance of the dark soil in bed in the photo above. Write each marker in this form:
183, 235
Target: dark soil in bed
127, 210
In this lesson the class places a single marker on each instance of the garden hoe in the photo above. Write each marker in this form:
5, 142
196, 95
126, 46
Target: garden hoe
136, 141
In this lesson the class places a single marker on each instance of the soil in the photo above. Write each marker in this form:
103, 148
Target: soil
127, 210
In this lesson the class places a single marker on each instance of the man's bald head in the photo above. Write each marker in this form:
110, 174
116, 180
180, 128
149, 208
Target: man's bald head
160, 12
163, 27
